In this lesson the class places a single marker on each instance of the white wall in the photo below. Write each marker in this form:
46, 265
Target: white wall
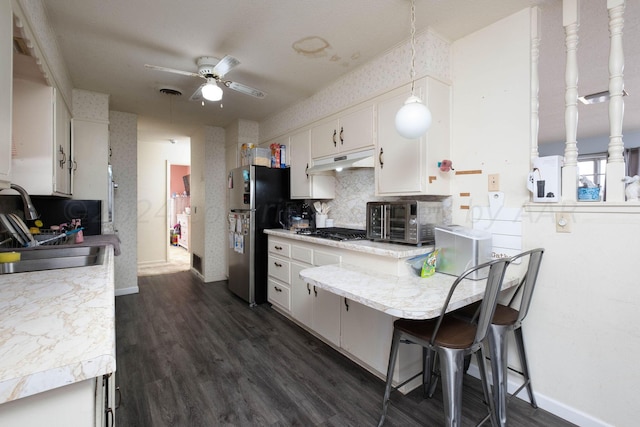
580, 332
208, 200
490, 124
152, 196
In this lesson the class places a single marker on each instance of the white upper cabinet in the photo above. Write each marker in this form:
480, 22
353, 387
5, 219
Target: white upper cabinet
42, 155
6, 77
410, 166
347, 132
303, 185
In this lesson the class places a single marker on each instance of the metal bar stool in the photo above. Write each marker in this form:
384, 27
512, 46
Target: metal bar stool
505, 319
452, 339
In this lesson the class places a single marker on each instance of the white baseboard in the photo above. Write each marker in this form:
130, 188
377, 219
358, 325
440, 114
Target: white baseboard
127, 291
552, 406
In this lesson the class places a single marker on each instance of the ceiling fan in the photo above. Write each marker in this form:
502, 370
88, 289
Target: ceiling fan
213, 71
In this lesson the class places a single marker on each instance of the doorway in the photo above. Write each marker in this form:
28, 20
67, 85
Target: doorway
179, 213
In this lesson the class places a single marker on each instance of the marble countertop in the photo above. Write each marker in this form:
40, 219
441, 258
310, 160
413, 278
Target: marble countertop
57, 327
366, 246
409, 297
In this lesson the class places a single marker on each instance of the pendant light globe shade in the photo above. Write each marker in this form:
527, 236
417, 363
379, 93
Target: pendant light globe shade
413, 119
211, 91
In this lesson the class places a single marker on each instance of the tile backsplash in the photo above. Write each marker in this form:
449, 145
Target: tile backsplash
356, 187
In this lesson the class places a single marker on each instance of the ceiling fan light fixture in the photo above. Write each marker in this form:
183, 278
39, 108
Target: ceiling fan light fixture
211, 91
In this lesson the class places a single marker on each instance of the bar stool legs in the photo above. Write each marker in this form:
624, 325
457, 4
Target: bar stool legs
395, 343
497, 338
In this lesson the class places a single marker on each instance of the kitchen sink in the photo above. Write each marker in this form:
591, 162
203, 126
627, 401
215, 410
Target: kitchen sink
51, 258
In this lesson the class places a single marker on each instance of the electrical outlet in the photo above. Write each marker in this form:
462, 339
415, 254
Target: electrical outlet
563, 222
494, 182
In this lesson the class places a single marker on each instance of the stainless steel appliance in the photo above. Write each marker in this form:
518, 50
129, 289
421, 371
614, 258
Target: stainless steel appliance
461, 248
255, 195
403, 221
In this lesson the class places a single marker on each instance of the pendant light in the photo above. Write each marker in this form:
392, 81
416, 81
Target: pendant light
211, 91
414, 118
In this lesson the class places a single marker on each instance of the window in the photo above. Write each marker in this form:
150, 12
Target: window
593, 167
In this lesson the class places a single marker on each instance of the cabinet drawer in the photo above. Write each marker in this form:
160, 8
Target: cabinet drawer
280, 269
279, 294
280, 248
302, 254
325, 258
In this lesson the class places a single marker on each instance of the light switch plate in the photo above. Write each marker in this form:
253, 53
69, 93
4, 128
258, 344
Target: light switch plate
563, 222
494, 182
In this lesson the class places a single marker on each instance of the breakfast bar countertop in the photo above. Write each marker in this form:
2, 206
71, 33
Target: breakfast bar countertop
57, 328
408, 297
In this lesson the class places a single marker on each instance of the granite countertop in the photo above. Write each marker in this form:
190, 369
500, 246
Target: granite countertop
366, 246
408, 297
57, 327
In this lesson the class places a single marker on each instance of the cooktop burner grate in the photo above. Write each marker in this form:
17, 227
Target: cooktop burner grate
336, 233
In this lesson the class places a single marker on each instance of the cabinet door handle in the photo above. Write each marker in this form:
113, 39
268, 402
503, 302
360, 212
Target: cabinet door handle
277, 265
279, 248
346, 304
380, 158
63, 160
335, 143
277, 289
305, 171
110, 416
315, 291
341, 138
119, 393
308, 289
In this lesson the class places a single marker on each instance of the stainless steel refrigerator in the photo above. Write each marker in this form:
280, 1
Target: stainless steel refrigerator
256, 193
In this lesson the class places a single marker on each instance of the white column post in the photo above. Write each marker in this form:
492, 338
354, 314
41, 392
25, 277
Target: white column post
571, 22
535, 81
615, 164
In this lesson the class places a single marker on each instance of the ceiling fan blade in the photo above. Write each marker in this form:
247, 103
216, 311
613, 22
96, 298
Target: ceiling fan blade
247, 90
224, 65
197, 95
171, 70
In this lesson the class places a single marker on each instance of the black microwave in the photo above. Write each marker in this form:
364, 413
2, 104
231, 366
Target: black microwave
411, 222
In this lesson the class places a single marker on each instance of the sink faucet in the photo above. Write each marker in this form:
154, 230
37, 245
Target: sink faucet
30, 211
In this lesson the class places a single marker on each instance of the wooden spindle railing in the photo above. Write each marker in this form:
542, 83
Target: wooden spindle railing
615, 163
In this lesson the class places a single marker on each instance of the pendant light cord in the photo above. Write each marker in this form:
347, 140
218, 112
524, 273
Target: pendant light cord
413, 45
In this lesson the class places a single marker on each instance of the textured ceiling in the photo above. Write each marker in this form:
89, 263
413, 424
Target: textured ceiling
105, 45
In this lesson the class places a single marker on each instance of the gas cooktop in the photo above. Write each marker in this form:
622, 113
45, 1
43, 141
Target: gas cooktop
335, 233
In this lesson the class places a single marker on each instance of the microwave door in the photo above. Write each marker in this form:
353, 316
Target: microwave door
396, 222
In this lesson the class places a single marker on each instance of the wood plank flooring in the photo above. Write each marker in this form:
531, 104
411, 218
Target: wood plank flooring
192, 354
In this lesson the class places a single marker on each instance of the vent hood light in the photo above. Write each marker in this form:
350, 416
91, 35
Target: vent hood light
597, 98
362, 159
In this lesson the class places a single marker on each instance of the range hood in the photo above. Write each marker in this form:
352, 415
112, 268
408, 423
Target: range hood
361, 159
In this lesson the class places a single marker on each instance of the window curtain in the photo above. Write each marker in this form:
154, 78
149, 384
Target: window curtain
632, 161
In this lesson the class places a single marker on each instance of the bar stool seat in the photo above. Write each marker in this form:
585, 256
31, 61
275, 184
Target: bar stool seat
451, 339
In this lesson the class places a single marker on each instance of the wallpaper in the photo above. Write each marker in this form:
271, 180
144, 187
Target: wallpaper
90, 105
123, 135
389, 71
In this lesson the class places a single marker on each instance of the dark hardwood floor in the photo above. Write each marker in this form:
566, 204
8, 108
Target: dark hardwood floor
192, 354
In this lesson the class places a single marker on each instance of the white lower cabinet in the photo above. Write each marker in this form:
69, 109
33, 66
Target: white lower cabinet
88, 403
366, 334
362, 333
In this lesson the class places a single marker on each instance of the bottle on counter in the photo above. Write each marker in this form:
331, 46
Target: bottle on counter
79, 235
